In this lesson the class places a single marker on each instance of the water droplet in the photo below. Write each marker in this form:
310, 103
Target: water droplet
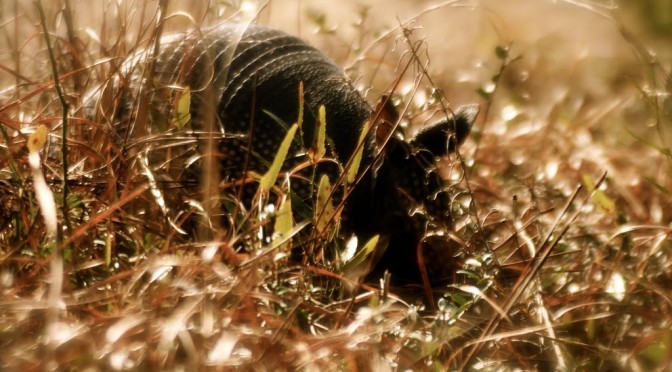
510, 112
551, 169
518, 158
489, 87
616, 286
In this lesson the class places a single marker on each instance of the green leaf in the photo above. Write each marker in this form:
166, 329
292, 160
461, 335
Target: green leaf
319, 148
357, 158
272, 174
658, 350
108, 250
600, 198
362, 255
182, 114
284, 222
324, 208
301, 209
658, 186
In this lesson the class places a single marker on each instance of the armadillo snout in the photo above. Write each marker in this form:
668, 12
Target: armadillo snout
410, 201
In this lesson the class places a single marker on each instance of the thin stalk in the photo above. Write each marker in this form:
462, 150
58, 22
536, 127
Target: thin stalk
64, 119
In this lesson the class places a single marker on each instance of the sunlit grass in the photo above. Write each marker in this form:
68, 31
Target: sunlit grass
561, 201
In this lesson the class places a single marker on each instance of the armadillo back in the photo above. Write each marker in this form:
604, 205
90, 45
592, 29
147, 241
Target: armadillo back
254, 74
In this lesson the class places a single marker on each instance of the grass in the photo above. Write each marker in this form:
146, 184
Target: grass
561, 197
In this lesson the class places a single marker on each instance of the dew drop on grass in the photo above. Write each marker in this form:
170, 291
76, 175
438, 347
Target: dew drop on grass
551, 168
656, 212
616, 286
524, 75
119, 360
456, 174
434, 96
447, 311
467, 75
396, 100
489, 87
269, 210
406, 88
597, 276
464, 201
484, 172
583, 138
420, 98
518, 157
510, 112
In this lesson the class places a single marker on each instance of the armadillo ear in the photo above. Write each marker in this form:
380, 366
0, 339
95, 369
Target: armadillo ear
443, 137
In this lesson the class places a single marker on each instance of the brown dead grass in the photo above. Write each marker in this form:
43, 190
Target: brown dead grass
556, 275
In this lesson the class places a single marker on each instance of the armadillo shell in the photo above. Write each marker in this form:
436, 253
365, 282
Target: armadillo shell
252, 75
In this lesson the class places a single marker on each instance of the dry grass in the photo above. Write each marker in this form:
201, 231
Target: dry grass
563, 202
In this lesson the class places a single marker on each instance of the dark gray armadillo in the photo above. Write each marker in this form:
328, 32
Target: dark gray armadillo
254, 74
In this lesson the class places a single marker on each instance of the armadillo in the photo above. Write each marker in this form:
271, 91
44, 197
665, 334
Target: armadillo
253, 73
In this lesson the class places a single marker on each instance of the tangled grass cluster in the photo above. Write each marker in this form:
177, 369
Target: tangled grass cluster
561, 198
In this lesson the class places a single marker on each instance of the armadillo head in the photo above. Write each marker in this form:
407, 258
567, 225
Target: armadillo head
410, 200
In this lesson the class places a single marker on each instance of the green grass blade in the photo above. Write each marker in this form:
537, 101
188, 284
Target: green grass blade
284, 223
319, 149
182, 115
357, 157
324, 209
272, 174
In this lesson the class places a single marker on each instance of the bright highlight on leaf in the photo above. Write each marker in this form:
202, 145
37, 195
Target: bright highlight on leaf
182, 114
363, 254
357, 158
37, 140
272, 174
